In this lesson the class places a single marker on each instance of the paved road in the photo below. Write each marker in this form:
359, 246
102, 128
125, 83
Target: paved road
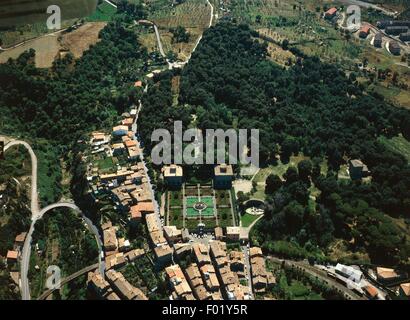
135, 129
364, 4
314, 272
34, 195
37, 214
45, 294
248, 269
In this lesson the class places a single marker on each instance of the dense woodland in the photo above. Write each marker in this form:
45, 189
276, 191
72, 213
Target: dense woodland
74, 96
316, 109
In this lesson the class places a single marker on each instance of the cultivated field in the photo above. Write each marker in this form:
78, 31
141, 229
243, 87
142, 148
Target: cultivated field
18, 12
81, 39
48, 47
194, 15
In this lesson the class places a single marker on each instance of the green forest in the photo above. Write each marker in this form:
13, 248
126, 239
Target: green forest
311, 107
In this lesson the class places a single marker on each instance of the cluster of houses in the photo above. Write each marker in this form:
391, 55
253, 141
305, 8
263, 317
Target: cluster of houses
13, 255
383, 277
217, 274
116, 287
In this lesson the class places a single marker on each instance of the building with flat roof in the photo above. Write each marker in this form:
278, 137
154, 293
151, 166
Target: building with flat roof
394, 47
386, 275
223, 176
233, 233
378, 40
357, 169
172, 234
173, 175
163, 255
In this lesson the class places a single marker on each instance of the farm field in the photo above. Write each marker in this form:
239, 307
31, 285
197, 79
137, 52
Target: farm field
302, 25
18, 12
193, 15
81, 39
397, 144
103, 12
48, 46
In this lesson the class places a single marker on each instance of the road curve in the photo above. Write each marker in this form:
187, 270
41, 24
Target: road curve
25, 258
34, 195
37, 214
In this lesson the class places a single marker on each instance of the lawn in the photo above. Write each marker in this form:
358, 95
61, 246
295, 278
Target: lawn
190, 201
175, 198
247, 219
397, 144
207, 212
106, 164
209, 201
191, 212
225, 217
104, 12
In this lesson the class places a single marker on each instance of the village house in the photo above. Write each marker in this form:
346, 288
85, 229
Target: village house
110, 239
349, 272
173, 175
12, 256
155, 231
378, 40
179, 284
209, 277
127, 122
120, 130
137, 211
118, 148
218, 253
123, 244
237, 259
163, 255
364, 31
331, 13
261, 278
371, 292
223, 176
219, 233
233, 233
19, 240
115, 260
134, 254
172, 234
182, 250
357, 169
404, 291
201, 254
195, 281
100, 286
386, 275
394, 47
123, 288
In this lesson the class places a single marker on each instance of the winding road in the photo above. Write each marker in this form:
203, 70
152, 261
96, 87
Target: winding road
37, 214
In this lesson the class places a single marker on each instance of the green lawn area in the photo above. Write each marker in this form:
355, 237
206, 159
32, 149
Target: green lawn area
397, 144
278, 169
247, 219
175, 217
222, 197
208, 212
191, 212
104, 12
209, 201
175, 198
225, 217
106, 164
301, 292
191, 200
